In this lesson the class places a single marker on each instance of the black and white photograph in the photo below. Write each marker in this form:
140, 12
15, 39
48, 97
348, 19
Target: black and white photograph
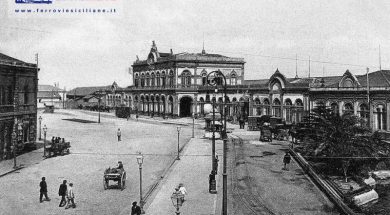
194, 107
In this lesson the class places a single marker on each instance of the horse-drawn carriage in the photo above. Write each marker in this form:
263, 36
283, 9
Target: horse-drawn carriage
265, 134
114, 174
58, 148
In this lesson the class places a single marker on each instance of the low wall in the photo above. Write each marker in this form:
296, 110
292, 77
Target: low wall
332, 194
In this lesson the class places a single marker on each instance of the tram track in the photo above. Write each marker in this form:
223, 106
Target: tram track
244, 188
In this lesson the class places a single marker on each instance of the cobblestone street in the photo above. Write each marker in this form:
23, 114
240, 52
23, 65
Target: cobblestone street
94, 147
259, 185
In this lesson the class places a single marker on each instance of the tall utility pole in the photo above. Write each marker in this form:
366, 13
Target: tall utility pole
309, 66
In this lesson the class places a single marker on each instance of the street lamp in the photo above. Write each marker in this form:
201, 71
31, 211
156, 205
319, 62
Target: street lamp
40, 122
176, 200
193, 125
14, 147
140, 160
44, 140
178, 138
220, 79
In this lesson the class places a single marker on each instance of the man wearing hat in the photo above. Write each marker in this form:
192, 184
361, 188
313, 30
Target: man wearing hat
135, 210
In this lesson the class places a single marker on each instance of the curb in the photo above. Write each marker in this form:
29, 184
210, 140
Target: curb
11, 171
163, 175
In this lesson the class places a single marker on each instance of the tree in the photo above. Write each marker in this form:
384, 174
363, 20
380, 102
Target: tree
342, 141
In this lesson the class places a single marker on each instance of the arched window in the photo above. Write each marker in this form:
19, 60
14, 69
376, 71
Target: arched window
277, 108
364, 112
380, 117
158, 80
288, 105
201, 101
335, 108
171, 78
348, 82
153, 79
147, 80
163, 78
276, 87
266, 105
204, 76
136, 80
207, 98
298, 110
257, 107
348, 108
186, 78
233, 78
142, 80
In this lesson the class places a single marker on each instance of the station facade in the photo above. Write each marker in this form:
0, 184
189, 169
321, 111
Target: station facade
175, 85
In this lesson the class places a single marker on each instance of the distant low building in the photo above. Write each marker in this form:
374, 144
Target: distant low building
51, 95
89, 96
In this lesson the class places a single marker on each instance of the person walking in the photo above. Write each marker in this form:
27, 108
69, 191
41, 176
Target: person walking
62, 192
242, 122
183, 191
118, 133
135, 209
43, 190
286, 160
70, 197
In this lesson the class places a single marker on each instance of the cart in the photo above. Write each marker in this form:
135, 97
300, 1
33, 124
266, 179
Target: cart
265, 134
114, 174
60, 148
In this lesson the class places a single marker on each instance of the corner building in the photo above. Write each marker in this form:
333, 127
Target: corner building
18, 104
174, 85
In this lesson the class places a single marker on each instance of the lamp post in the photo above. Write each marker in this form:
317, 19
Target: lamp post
14, 147
219, 75
40, 122
193, 125
140, 160
213, 136
176, 200
44, 140
178, 141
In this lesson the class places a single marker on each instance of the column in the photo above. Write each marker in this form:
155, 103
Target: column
355, 108
388, 116
176, 105
195, 105
341, 105
250, 105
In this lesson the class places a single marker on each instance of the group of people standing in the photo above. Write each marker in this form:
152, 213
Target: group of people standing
66, 192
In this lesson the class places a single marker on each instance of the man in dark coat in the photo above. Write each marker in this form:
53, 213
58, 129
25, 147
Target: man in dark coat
62, 193
286, 160
135, 210
43, 190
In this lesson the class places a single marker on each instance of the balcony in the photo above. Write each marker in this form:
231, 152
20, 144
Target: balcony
6, 108
27, 108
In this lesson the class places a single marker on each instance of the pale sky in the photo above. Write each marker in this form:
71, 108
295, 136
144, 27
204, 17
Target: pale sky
88, 50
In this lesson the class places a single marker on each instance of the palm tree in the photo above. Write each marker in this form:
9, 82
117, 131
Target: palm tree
342, 140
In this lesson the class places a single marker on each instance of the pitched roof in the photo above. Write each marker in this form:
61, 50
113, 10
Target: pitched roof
48, 88
380, 78
48, 95
83, 91
193, 57
5, 59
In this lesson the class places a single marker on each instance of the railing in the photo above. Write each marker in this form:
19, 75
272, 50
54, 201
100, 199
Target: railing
27, 108
6, 108
347, 88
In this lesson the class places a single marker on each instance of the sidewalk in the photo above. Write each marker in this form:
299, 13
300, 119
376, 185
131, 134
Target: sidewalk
187, 121
24, 160
192, 170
